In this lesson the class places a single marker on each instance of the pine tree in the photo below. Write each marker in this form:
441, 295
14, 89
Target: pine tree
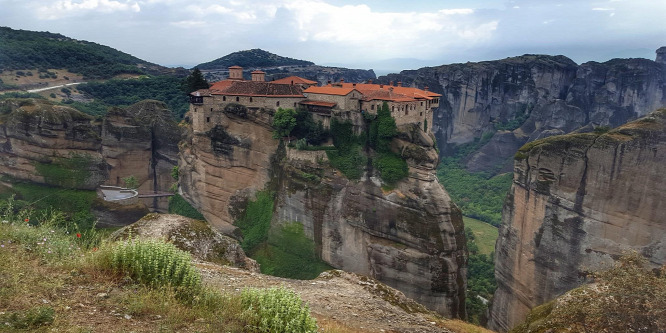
195, 81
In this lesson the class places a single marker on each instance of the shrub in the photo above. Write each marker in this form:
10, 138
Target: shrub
29, 319
178, 205
131, 182
256, 221
156, 263
277, 310
284, 122
391, 168
350, 162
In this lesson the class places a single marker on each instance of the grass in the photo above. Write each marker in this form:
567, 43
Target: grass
485, 234
178, 205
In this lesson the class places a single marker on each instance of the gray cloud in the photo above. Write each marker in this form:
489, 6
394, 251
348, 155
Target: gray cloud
181, 32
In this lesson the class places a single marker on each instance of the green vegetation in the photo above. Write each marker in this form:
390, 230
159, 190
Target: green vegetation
284, 122
278, 310
347, 157
309, 130
480, 275
252, 58
628, 297
121, 93
153, 282
43, 50
5, 86
391, 166
130, 182
485, 235
477, 194
178, 205
194, 82
20, 95
71, 171
518, 120
256, 221
156, 263
30, 319
289, 253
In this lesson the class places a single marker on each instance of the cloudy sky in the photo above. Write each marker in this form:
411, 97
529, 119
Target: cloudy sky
379, 34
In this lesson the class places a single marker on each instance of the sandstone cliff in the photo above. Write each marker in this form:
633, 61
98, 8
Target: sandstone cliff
577, 202
51, 144
534, 96
410, 237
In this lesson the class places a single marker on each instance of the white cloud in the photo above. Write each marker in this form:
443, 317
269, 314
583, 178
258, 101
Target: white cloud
603, 9
66, 8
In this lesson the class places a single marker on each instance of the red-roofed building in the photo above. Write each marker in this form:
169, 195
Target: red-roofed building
346, 100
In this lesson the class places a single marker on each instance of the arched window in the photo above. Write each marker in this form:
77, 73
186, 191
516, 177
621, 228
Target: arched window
250, 99
237, 99
277, 103
224, 98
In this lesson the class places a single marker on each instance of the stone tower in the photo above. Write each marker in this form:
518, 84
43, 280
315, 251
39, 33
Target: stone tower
235, 73
661, 55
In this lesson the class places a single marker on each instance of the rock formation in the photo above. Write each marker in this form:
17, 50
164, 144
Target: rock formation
194, 236
410, 237
534, 96
577, 202
51, 144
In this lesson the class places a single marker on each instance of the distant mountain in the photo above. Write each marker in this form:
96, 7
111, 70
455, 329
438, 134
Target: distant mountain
252, 58
23, 49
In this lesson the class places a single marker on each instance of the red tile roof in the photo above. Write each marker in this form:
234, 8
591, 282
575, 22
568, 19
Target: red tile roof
293, 80
235, 67
255, 88
318, 103
367, 88
386, 95
329, 90
258, 72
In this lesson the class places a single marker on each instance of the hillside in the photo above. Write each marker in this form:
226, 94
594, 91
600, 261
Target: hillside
252, 58
27, 50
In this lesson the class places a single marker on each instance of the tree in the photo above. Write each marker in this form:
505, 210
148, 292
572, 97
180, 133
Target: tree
195, 81
131, 182
284, 122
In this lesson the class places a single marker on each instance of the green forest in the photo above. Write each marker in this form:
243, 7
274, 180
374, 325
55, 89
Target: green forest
44, 50
252, 58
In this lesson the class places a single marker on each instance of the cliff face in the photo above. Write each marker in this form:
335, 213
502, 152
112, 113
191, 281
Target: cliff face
57, 145
410, 237
577, 202
534, 96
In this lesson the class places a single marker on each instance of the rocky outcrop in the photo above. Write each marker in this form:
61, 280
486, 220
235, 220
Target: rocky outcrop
56, 145
533, 96
194, 236
409, 237
577, 202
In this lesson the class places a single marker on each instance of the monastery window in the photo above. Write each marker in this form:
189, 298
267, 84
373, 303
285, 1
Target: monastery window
421, 103
372, 107
208, 119
277, 103
211, 109
406, 112
195, 109
294, 104
421, 114
224, 98
250, 99
393, 108
237, 99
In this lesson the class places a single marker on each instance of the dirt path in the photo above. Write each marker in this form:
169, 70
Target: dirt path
351, 300
54, 87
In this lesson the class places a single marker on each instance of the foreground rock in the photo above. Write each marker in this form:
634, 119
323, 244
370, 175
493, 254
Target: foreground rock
577, 202
193, 236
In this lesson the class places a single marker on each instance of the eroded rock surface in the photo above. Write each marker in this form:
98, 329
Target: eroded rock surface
531, 94
577, 202
410, 237
51, 144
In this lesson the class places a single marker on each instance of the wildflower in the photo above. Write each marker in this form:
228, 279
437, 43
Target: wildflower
52, 231
78, 235
2, 245
94, 249
27, 220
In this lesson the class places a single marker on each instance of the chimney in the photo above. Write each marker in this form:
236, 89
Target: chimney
390, 83
381, 86
426, 88
258, 76
342, 80
329, 81
235, 73
354, 85
399, 83
370, 81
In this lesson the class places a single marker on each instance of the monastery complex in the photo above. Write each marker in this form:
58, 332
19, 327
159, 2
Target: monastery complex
348, 101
